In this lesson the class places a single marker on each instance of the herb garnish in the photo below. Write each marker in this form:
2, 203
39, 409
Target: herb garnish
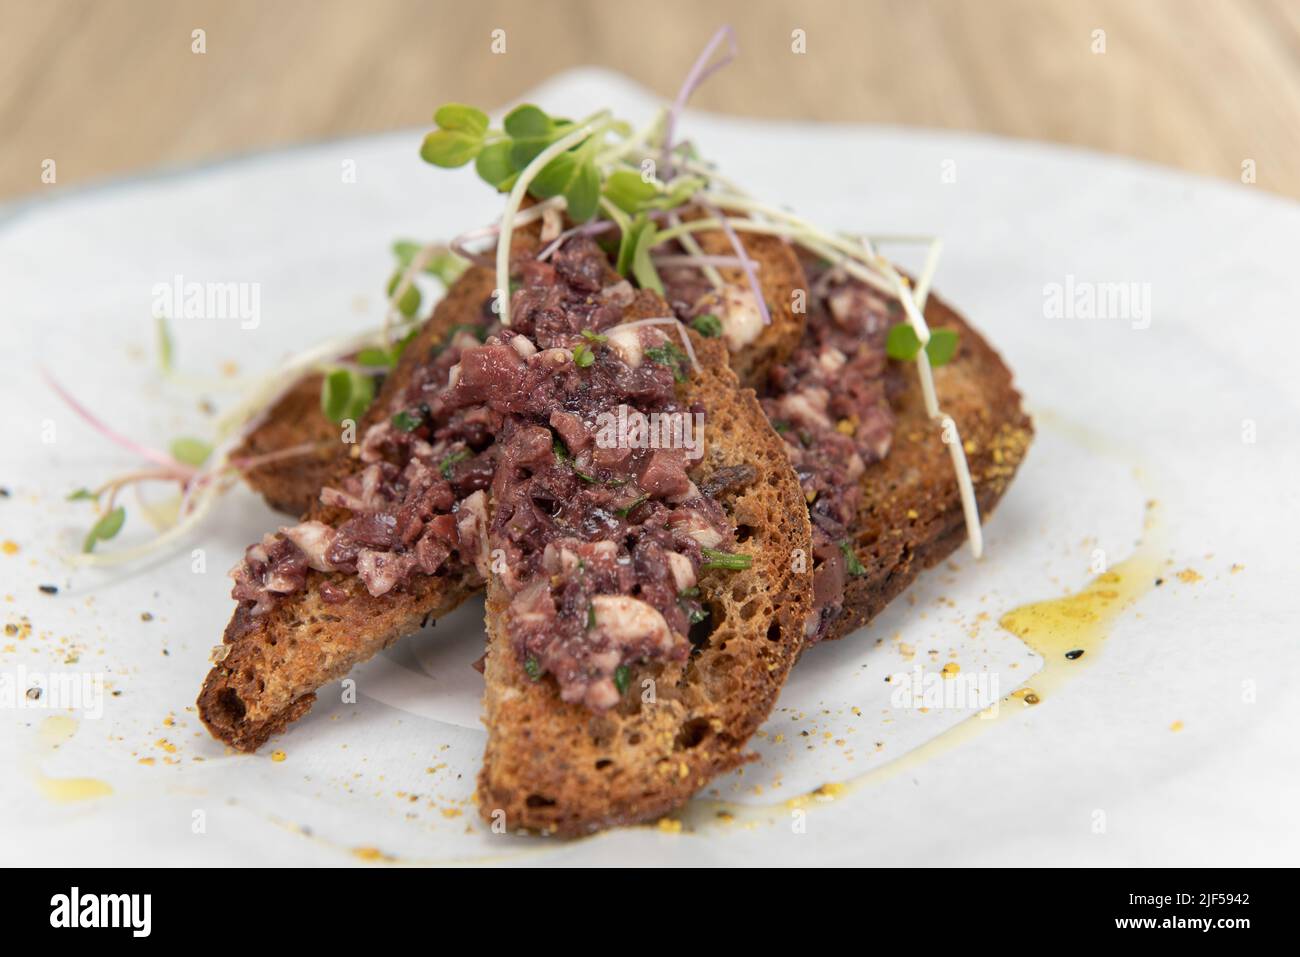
621, 675
732, 561
903, 344
626, 510
105, 528
446, 464
851, 558
406, 421
707, 325
583, 356
669, 355
533, 667
190, 451
346, 395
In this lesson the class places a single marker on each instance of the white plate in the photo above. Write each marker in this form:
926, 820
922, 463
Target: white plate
1094, 774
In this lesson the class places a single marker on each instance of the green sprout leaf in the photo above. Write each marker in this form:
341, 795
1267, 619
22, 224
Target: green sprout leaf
902, 344
942, 346
462, 118
494, 167
82, 495
628, 191
346, 395
707, 325
446, 265
450, 148
409, 304
190, 451
166, 351
376, 357
583, 356
575, 177
105, 528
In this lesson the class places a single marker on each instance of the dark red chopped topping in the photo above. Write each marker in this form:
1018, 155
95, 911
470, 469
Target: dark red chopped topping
595, 532
831, 403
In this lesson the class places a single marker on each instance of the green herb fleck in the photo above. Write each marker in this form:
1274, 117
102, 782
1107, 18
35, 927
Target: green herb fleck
405, 421
446, 464
591, 616
621, 675
627, 509
669, 355
533, 667
851, 558
707, 325
732, 561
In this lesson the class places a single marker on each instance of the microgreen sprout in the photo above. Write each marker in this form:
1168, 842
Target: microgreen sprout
902, 344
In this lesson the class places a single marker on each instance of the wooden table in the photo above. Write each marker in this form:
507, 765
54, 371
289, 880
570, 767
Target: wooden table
104, 88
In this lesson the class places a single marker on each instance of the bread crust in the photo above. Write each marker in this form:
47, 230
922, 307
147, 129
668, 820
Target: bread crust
271, 665
910, 517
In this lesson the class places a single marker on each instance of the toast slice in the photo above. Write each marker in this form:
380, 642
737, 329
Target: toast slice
559, 768
910, 516
270, 665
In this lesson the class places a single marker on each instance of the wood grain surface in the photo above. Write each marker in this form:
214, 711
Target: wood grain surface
111, 87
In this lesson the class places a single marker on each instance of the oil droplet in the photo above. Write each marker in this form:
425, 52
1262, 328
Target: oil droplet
1069, 631
1176, 727
54, 731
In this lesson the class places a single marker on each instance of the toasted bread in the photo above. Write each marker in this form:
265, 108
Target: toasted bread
273, 663
558, 768
910, 517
